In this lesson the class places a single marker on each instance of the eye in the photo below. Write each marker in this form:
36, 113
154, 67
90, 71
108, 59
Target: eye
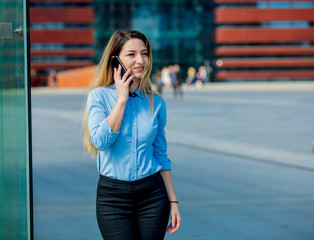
145, 53
131, 54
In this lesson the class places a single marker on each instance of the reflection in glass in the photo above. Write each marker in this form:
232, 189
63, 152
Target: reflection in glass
14, 177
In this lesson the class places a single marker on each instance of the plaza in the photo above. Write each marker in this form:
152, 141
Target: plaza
242, 162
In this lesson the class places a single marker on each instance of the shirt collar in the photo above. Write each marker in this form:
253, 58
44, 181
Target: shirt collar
132, 94
139, 93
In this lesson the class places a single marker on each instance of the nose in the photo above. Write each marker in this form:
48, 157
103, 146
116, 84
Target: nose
139, 59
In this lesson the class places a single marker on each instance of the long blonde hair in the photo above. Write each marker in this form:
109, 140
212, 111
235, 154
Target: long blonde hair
104, 75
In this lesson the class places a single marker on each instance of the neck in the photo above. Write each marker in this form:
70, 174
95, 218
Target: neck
135, 85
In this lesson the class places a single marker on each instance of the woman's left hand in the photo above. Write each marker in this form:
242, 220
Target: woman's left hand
175, 218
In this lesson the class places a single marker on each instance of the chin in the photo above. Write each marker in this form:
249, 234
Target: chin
139, 76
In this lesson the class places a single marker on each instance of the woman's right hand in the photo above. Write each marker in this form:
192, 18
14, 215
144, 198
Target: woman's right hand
122, 84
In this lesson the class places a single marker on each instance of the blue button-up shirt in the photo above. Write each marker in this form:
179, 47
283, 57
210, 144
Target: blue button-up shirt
139, 149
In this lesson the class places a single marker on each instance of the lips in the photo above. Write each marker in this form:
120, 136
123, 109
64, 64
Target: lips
140, 69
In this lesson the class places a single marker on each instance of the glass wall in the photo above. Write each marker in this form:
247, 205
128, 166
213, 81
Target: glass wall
15, 206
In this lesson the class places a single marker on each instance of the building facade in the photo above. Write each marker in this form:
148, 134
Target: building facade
180, 32
257, 40
233, 39
61, 36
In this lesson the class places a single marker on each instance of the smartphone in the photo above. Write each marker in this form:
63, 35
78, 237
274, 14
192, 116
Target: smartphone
115, 62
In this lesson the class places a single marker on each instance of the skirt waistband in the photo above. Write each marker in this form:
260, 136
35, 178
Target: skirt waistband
118, 181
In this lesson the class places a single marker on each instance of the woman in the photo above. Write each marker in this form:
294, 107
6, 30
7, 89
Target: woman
124, 127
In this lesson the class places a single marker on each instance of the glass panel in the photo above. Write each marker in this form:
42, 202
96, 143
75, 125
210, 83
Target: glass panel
14, 150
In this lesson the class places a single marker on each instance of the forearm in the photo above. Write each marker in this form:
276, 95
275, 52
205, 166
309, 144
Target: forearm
115, 117
166, 176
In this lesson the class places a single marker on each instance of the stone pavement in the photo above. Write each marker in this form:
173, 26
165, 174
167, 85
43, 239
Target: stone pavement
242, 162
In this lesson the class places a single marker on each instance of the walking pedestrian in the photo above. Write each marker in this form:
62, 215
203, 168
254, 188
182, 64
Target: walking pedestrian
177, 89
125, 129
158, 81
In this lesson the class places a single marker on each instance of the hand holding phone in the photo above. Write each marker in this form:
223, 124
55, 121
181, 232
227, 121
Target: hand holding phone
115, 62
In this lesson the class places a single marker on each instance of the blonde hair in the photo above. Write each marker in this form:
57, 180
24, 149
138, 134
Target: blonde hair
104, 75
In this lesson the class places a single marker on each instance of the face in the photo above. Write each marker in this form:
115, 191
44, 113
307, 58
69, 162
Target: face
134, 55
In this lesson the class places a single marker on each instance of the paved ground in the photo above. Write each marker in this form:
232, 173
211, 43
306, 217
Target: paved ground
242, 163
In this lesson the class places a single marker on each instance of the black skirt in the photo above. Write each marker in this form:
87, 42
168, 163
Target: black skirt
132, 210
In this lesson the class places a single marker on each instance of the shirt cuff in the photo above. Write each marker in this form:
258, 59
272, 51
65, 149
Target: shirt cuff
166, 165
112, 136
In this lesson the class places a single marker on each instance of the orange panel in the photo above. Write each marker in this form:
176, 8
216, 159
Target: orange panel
263, 50
297, 74
264, 62
225, 35
72, 52
62, 14
59, 65
66, 36
81, 77
256, 15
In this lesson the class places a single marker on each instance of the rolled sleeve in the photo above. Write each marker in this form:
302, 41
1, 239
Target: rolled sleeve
160, 142
99, 129
102, 137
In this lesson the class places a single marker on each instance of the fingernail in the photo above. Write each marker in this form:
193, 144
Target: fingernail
173, 225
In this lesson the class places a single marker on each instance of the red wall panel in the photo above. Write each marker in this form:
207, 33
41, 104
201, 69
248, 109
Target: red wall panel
60, 65
256, 15
61, 1
62, 14
254, 1
232, 35
295, 74
263, 50
72, 52
265, 62
66, 36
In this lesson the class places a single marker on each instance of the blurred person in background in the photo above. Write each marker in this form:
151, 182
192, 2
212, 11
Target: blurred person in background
33, 77
165, 76
125, 129
53, 78
191, 76
200, 77
177, 89
202, 74
172, 75
158, 81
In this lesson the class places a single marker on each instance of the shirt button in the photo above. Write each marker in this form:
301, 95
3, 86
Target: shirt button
134, 124
134, 138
